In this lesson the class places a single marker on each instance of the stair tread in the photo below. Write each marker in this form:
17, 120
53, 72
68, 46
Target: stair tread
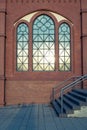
56, 107
81, 91
71, 104
73, 99
82, 97
66, 108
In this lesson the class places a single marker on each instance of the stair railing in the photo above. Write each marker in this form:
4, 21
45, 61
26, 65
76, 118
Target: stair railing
55, 89
70, 86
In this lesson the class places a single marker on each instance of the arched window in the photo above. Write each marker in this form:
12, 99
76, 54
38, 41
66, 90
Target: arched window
64, 47
45, 48
22, 47
43, 44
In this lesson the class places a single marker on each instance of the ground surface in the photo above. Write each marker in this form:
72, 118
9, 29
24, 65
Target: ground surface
37, 117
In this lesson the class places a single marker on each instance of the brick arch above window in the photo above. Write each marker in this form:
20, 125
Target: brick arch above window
56, 16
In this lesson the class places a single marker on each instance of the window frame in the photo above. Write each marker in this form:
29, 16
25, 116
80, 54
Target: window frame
64, 22
31, 73
17, 48
52, 41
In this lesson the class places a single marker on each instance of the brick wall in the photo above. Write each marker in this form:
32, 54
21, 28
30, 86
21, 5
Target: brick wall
36, 87
19, 92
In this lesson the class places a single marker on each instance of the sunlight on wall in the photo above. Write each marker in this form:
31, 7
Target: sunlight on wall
58, 17
29, 16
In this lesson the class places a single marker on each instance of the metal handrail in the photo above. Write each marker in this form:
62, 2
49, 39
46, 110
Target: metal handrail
62, 83
71, 85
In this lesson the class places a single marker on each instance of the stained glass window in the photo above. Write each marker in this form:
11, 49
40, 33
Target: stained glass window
22, 47
43, 44
64, 47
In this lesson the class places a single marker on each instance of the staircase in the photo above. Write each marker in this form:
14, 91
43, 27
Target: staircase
74, 102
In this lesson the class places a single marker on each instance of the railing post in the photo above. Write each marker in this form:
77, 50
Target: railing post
61, 102
53, 94
82, 84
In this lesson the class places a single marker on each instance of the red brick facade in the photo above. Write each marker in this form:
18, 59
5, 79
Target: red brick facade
36, 87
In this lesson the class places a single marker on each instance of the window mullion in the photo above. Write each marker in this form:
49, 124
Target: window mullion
30, 48
56, 49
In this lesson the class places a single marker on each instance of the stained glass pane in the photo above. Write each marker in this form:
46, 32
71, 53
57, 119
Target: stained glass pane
22, 47
64, 47
43, 44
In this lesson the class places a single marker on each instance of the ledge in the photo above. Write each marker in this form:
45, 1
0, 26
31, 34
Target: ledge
43, 1
2, 10
2, 78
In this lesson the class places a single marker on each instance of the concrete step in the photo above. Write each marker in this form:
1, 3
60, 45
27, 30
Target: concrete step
66, 107
81, 91
57, 108
72, 105
74, 100
78, 96
79, 113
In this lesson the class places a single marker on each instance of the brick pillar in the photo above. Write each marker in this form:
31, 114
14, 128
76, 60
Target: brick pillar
84, 38
2, 51
84, 35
